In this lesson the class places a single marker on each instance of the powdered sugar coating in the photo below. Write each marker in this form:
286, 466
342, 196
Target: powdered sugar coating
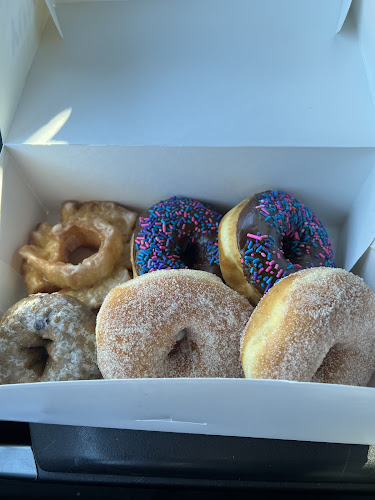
47, 337
316, 325
139, 323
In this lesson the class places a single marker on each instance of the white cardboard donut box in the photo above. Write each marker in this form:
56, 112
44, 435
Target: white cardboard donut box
136, 101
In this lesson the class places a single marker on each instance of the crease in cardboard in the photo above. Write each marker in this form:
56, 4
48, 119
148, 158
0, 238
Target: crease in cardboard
52, 9
171, 420
364, 13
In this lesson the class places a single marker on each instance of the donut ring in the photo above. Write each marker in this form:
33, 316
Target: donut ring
316, 325
47, 337
69, 236
93, 296
267, 237
139, 322
34, 280
178, 233
117, 215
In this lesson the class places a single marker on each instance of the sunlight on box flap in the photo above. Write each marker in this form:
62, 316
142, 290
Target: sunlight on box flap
21, 26
46, 133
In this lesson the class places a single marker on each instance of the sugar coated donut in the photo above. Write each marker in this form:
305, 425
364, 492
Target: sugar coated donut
316, 325
47, 337
178, 233
267, 237
139, 327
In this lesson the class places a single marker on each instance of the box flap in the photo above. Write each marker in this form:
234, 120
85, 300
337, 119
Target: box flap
343, 14
364, 12
172, 73
359, 231
230, 407
21, 25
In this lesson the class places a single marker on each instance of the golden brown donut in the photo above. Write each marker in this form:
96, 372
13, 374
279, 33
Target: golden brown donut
43, 247
47, 337
315, 325
117, 215
94, 295
68, 236
139, 323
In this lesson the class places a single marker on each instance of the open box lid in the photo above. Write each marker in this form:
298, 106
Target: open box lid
192, 73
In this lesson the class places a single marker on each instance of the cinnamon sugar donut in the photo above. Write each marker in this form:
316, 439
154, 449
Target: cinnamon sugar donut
139, 323
316, 325
47, 337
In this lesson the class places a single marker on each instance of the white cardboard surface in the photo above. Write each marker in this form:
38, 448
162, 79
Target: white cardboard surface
198, 73
21, 25
365, 267
232, 407
364, 11
360, 229
20, 211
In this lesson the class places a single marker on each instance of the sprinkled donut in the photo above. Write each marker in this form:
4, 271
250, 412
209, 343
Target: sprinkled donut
47, 337
267, 237
317, 325
178, 233
139, 324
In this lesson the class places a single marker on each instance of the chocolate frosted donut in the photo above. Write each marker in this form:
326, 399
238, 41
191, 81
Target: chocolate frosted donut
268, 237
179, 233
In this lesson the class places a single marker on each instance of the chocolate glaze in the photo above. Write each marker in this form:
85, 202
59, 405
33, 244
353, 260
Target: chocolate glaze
290, 238
188, 234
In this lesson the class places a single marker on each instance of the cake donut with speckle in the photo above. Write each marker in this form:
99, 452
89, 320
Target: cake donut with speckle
47, 337
267, 237
178, 233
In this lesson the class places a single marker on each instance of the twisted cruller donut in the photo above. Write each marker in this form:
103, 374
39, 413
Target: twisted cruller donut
316, 325
267, 237
139, 323
47, 337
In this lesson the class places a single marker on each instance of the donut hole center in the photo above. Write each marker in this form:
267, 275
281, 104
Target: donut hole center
190, 255
79, 254
78, 244
180, 341
37, 357
291, 248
